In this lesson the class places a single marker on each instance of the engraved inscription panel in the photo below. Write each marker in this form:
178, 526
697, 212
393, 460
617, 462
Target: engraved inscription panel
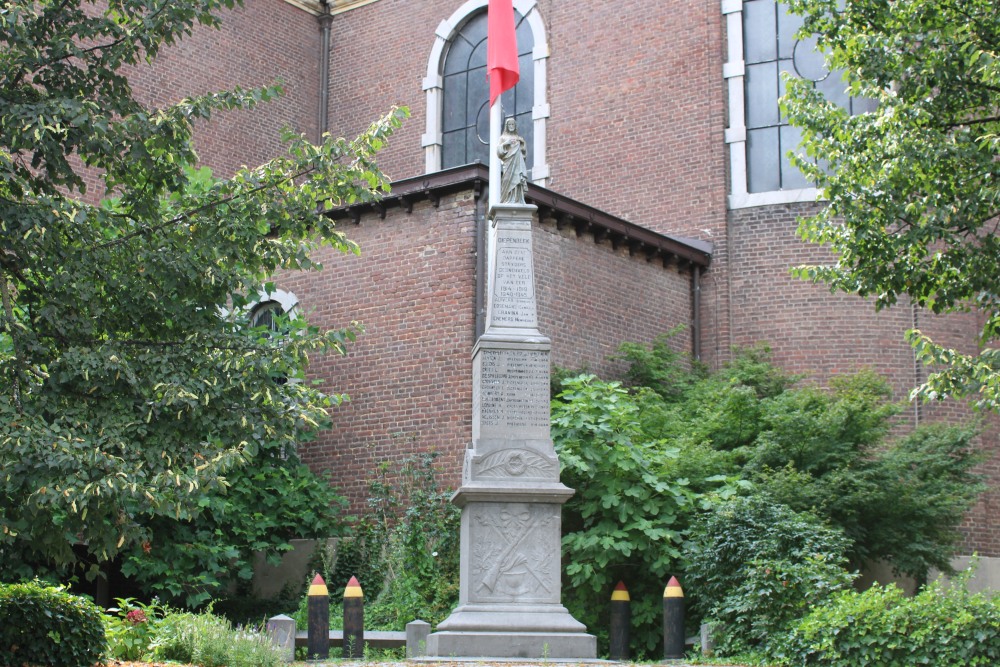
511, 393
514, 281
515, 552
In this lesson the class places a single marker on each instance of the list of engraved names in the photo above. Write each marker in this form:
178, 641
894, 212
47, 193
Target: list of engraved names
514, 389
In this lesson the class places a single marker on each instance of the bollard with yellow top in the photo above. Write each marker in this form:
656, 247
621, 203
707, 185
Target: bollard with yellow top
621, 620
354, 620
673, 620
318, 628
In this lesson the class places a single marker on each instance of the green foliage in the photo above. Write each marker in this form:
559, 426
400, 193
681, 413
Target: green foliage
44, 625
630, 511
914, 185
754, 566
211, 641
943, 625
265, 506
660, 366
404, 551
645, 463
131, 630
129, 381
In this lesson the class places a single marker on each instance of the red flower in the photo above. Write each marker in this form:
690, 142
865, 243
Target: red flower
136, 616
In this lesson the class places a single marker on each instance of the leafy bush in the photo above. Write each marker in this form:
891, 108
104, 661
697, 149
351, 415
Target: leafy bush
131, 630
755, 566
211, 641
269, 503
647, 459
823, 449
44, 625
630, 511
944, 625
404, 551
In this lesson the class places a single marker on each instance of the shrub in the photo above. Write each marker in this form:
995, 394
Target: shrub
186, 561
131, 630
404, 551
944, 626
631, 509
44, 625
211, 641
756, 566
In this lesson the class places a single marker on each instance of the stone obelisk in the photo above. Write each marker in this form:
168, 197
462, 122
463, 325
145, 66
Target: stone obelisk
511, 496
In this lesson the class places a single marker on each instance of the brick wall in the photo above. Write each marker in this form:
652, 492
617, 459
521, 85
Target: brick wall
637, 106
410, 375
257, 45
592, 297
821, 334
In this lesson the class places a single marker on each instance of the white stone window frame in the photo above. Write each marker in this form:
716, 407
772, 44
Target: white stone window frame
286, 300
733, 71
433, 85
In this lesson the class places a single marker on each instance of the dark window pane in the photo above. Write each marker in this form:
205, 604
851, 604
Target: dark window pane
478, 146
788, 24
457, 59
482, 126
478, 58
759, 31
860, 105
762, 94
526, 128
465, 114
809, 61
453, 149
454, 102
478, 93
525, 40
834, 88
525, 86
763, 170
791, 177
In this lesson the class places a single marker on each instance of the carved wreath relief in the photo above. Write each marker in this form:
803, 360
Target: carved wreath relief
512, 560
515, 463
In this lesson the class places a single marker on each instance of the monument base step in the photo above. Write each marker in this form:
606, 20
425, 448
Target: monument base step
539, 645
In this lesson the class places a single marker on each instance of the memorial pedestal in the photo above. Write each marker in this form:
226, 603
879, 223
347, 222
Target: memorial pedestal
511, 496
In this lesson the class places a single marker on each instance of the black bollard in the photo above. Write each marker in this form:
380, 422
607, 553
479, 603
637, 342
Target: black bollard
354, 620
318, 632
621, 620
673, 620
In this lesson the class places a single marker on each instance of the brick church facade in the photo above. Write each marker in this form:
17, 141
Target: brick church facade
657, 169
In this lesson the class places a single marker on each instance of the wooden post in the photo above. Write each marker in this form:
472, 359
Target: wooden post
354, 620
673, 620
318, 632
621, 620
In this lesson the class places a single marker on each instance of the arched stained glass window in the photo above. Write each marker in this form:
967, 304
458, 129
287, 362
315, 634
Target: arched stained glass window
465, 109
762, 46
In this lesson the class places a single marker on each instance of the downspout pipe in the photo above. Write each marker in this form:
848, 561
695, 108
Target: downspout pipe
325, 21
481, 280
696, 312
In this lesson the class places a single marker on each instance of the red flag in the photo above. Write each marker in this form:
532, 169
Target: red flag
501, 48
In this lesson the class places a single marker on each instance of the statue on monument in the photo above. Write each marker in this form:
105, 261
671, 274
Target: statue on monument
513, 153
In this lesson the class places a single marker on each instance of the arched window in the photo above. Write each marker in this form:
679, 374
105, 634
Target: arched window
762, 46
265, 314
465, 111
458, 90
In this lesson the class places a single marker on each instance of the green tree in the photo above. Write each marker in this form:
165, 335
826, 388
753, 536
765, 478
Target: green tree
129, 381
913, 186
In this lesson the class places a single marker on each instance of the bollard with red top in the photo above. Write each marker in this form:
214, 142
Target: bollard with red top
318, 628
673, 620
621, 620
354, 620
